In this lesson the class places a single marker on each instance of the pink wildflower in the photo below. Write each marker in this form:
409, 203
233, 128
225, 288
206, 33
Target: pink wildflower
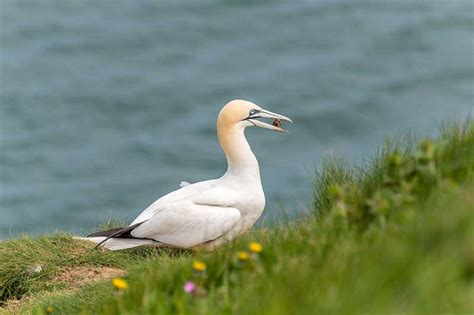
189, 287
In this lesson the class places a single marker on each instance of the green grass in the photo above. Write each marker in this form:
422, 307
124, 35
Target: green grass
394, 236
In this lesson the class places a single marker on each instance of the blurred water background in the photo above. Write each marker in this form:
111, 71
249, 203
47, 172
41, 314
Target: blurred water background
107, 105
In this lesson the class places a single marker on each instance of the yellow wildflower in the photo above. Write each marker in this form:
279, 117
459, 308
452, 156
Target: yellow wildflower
49, 309
255, 247
120, 284
243, 256
199, 266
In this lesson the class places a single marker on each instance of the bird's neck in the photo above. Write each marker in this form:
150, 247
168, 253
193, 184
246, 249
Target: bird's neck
240, 158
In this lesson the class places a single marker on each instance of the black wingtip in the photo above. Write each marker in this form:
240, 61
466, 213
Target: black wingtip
107, 232
121, 232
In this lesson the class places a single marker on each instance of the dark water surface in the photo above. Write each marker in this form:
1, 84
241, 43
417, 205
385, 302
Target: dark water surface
107, 105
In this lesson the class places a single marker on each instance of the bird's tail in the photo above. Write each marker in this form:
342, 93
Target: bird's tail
119, 243
119, 238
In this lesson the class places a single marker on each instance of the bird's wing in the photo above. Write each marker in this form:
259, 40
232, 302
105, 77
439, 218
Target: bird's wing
184, 193
188, 224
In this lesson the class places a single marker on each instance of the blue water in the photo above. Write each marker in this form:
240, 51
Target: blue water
107, 105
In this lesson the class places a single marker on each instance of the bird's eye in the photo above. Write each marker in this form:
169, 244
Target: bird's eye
253, 112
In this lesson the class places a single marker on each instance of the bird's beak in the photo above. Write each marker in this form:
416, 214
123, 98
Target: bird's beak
256, 120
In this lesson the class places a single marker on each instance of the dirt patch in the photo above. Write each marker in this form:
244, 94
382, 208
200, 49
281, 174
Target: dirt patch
76, 277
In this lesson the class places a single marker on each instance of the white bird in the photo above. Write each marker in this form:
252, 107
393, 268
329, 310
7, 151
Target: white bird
208, 213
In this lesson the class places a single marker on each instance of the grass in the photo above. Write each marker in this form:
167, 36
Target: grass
395, 236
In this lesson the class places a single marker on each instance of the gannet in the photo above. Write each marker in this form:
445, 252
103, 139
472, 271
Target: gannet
206, 214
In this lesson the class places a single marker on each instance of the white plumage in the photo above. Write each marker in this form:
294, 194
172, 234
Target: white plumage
206, 214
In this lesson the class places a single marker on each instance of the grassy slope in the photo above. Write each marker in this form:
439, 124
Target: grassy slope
393, 237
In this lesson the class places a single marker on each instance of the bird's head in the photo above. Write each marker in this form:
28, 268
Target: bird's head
247, 114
